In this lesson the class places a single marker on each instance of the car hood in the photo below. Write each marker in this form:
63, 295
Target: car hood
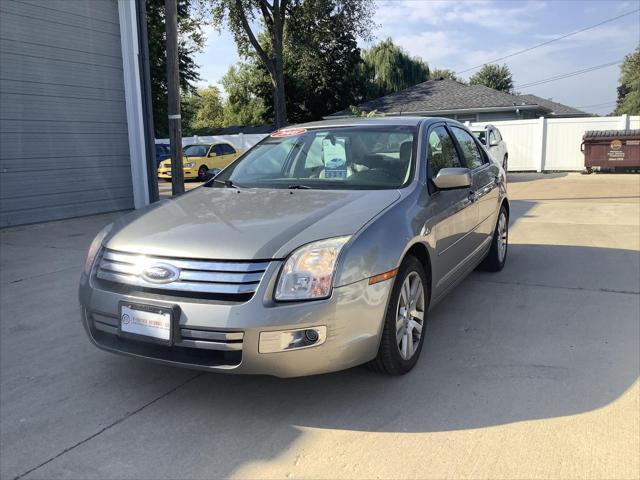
246, 224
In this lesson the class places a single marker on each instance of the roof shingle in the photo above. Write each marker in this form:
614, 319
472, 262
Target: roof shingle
440, 95
555, 107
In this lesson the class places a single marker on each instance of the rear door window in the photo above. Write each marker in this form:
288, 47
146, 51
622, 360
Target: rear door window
227, 149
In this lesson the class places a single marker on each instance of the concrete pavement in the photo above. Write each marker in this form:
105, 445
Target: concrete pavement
529, 373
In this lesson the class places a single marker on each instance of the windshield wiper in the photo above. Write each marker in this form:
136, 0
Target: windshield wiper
227, 183
299, 187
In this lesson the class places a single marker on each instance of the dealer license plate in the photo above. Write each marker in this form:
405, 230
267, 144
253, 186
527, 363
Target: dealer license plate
146, 321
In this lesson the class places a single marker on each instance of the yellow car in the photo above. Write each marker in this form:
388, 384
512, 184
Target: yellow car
199, 158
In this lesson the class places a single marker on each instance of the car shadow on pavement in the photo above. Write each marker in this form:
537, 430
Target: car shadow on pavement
502, 348
552, 335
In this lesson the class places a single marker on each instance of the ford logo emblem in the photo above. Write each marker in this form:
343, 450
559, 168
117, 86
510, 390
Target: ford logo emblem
161, 273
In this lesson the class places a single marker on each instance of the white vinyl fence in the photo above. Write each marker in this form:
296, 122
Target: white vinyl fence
242, 141
553, 143
534, 145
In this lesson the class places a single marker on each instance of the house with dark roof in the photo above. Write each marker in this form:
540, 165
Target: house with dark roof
557, 110
476, 103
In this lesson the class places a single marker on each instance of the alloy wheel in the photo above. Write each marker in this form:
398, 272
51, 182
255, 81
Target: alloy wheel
502, 236
410, 315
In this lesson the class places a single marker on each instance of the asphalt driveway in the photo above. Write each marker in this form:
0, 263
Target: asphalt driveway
529, 373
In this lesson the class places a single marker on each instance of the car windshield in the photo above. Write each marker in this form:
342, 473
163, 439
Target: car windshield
358, 157
480, 135
195, 150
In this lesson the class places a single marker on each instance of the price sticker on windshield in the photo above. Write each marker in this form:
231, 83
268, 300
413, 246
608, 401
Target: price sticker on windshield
335, 157
288, 132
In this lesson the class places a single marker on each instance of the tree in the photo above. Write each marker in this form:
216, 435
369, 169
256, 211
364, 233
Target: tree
443, 73
238, 16
209, 111
322, 56
190, 41
243, 106
493, 76
275, 15
388, 69
629, 88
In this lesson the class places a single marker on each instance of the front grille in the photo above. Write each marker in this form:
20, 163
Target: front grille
189, 337
196, 346
208, 277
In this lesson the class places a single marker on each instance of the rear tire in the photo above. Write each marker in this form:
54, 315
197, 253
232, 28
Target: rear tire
405, 321
497, 256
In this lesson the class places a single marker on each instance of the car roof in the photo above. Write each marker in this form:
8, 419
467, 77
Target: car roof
363, 121
206, 144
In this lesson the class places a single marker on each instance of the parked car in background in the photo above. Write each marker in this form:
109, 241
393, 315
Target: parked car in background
163, 152
491, 138
199, 158
322, 248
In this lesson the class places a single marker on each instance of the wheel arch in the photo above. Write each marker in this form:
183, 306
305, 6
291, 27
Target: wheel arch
505, 203
420, 251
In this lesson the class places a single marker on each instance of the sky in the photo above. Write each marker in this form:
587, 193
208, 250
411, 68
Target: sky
462, 34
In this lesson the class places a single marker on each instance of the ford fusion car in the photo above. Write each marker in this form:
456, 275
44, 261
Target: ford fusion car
321, 248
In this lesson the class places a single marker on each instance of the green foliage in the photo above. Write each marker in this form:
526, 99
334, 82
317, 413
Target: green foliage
203, 111
388, 69
190, 41
356, 112
309, 46
629, 89
443, 73
243, 106
493, 76
322, 56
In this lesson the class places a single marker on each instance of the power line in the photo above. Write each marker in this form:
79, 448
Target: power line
567, 75
595, 105
550, 41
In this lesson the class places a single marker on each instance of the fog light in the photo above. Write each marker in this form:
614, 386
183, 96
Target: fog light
311, 335
285, 340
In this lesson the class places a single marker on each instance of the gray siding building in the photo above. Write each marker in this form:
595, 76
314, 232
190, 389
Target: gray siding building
69, 133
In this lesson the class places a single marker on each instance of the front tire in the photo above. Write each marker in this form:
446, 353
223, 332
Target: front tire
497, 256
405, 321
202, 173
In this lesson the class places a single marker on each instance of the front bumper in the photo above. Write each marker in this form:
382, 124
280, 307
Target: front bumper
353, 317
165, 173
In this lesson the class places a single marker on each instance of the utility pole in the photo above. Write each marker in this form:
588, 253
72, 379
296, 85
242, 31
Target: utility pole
173, 93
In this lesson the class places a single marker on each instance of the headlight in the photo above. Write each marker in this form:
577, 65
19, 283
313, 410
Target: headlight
189, 165
95, 248
308, 272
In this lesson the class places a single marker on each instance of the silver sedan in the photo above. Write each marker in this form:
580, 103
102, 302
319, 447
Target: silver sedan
321, 248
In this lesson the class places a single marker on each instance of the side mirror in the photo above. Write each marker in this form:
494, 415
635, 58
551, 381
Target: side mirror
213, 154
450, 178
212, 173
